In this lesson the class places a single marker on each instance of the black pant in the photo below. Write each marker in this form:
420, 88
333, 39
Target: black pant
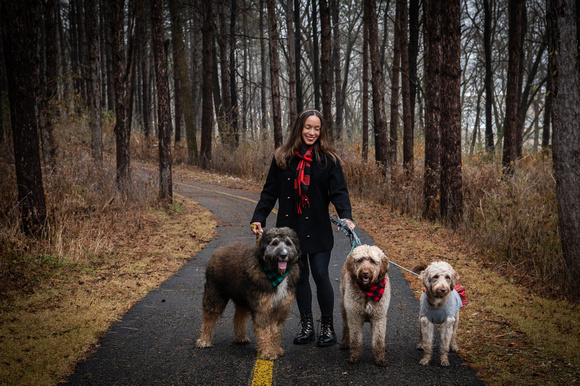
318, 264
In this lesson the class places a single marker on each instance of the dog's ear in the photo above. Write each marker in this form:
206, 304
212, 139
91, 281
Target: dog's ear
349, 265
265, 239
385, 265
454, 279
424, 277
420, 267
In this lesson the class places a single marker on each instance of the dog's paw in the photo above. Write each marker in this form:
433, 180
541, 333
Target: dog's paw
381, 362
269, 356
353, 359
445, 362
203, 343
244, 340
455, 348
424, 362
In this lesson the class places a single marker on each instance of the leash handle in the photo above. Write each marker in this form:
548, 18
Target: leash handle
344, 228
254, 227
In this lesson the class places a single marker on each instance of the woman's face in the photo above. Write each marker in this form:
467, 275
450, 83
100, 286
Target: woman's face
311, 130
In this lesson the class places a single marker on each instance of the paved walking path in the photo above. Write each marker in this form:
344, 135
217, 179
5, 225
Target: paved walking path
154, 342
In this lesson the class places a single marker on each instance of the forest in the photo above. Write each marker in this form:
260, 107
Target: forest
463, 113
453, 120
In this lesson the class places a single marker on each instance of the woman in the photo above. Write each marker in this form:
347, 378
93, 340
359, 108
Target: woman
305, 176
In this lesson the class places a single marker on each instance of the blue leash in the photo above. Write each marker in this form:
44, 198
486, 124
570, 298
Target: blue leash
354, 240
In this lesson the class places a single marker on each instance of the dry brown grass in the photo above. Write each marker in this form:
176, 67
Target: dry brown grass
99, 254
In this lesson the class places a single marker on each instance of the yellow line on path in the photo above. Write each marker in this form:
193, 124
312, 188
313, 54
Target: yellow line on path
262, 373
262, 369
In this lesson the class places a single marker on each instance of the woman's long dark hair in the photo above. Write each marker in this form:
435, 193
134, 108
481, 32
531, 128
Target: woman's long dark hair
322, 147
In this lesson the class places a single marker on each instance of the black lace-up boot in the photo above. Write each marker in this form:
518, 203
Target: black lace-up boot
327, 336
306, 333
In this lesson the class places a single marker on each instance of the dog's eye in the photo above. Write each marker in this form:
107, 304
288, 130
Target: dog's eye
436, 277
447, 277
275, 242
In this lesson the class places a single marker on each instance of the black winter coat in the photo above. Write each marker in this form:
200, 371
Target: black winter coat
327, 184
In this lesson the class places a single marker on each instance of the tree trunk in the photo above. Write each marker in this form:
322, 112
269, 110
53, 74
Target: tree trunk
50, 91
298, 55
163, 127
325, 64
20, 21
132, 42
108, 38
413, 54
274, 74
451, 176
217, 97
408, 136
337, 72
315, 56
513, 92
476, 125
566, 136
177, 94
181, 67
365, 96
82, 44
432, 63
93, 81
3, 90
370, 15
234, 110
145, 93
120, 76
245, 108
292, 110
488, 82
549, 95
224, 111
396, 75
521, 102
264, 111
207, 107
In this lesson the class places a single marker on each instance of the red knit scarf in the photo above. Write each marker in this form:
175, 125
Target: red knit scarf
302, 181
375, 291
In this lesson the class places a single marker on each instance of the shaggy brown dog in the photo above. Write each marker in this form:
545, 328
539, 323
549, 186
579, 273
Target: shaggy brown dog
365, 296
261, 281
440, 304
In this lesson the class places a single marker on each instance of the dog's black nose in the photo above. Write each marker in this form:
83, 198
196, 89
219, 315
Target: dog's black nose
283, 255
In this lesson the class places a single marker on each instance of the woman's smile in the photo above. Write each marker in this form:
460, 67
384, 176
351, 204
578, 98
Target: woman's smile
311, 130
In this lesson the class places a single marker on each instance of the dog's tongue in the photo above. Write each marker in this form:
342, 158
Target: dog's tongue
282, 265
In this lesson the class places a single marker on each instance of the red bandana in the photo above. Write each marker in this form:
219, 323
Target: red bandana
302, 181
461, 293
375, 291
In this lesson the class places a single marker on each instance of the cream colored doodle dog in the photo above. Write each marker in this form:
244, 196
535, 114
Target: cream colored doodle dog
365, 296
261, 281
440, 304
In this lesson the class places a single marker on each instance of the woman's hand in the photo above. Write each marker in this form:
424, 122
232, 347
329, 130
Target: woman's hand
256, 228
350, 224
